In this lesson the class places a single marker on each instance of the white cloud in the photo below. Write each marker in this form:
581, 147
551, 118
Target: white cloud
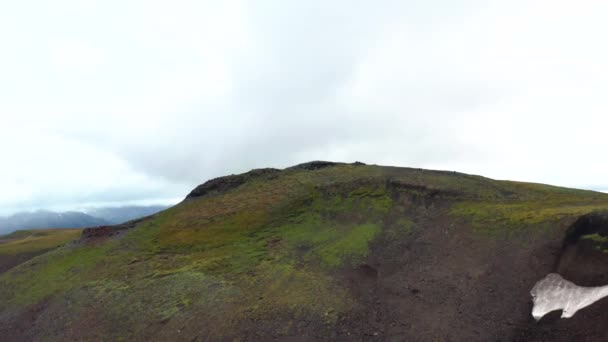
145, 99
41, 170
70, 55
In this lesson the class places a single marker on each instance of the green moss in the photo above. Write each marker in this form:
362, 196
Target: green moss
286, 285
600, 241
527, 204
53, 272
329, 244
353, 246
490, 216
264, 240
596, 237
337, 227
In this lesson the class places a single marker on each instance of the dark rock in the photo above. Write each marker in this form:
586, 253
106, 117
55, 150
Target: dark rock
583, 259
101, 232
222, 184
313, 165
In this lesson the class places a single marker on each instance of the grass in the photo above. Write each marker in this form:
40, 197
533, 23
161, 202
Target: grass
56, 271
596, 237
32, 241
600, 242
532, 205
261, 251
267, 250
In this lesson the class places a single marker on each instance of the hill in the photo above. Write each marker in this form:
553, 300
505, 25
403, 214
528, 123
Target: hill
23, 245
323, 251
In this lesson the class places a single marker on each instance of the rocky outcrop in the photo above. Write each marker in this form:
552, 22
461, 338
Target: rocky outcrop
222, 184
102, 232
315, 165
583, 258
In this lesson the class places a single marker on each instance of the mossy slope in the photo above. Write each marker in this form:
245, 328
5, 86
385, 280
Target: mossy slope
264, 257
22, 245
31, 241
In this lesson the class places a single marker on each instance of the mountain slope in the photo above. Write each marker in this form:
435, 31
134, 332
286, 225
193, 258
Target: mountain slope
318, 251
46, 219
23, 245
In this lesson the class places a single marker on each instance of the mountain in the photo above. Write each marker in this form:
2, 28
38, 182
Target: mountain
74, 219
116, 215
323, 251
48, 219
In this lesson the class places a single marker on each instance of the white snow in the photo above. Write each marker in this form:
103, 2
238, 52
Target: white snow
556, 293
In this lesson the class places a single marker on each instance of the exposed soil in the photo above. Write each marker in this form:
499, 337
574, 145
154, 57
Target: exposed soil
450, 283
581, 262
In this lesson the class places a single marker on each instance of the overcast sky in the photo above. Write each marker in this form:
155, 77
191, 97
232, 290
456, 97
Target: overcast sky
112, 102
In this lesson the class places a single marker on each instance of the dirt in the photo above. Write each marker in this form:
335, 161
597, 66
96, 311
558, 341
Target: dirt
581, 261
448, 282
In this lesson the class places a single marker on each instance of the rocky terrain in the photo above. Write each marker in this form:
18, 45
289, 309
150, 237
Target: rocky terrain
323, 251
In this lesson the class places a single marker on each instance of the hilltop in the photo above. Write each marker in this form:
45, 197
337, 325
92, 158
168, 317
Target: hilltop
322, 251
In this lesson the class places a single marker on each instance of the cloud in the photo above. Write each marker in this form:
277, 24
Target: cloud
53, 172
114, 101
75, 55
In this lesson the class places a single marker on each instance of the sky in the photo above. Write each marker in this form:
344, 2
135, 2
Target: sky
137, 102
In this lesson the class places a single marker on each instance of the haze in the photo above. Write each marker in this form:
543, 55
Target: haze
137, 102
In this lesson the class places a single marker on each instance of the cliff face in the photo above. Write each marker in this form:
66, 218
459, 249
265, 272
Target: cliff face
321, 251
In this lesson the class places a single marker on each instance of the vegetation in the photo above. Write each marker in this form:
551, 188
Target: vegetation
32, 241
599, 242
530, 205
264, 251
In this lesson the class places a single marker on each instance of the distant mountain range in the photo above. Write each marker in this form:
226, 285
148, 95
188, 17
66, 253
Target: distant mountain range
116, 215
75, 219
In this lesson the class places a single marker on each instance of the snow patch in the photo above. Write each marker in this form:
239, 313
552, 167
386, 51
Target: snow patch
556, 293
